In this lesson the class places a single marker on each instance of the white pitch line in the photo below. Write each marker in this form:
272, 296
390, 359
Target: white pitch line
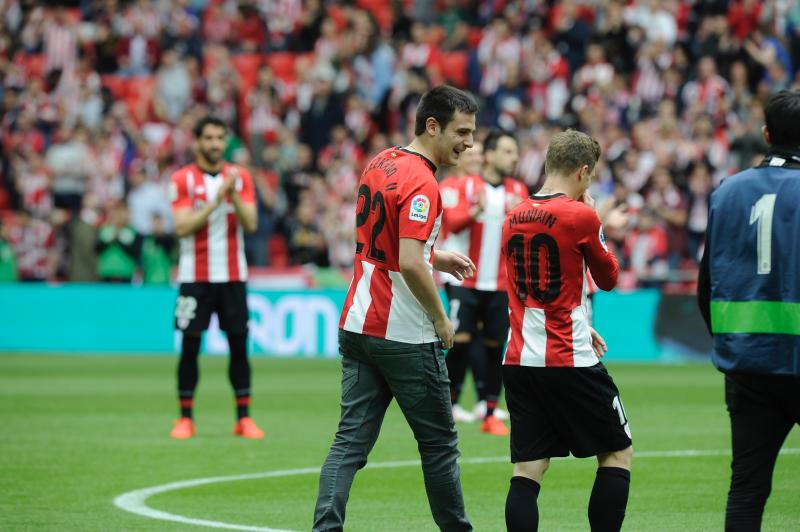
134, 501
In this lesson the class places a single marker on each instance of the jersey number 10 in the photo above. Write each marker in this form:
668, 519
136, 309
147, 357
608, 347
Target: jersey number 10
762, 212
528, 280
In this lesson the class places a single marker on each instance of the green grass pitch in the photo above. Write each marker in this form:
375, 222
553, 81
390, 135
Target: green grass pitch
76, 431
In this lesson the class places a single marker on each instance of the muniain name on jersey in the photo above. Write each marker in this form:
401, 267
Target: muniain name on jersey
532, 216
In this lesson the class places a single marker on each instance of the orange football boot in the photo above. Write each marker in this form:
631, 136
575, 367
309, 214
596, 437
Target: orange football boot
184, 429
492, 425
247, 428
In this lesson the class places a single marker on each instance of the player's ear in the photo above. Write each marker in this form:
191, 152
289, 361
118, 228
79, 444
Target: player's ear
432, 126
583, 173
765, 134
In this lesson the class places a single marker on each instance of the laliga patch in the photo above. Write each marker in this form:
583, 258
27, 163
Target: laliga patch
420, 207
602, 238
173, 192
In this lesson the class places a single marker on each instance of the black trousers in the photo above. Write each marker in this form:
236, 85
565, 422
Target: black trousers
763, 409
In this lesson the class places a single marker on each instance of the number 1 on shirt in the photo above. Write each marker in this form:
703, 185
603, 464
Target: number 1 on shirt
762, 213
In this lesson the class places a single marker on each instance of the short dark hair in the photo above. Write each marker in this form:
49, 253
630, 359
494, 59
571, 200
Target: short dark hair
494, 136
208, 121
441, 103
783, 116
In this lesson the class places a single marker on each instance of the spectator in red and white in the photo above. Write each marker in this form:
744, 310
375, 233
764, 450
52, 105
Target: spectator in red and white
248, 30
706, 143
420, 51
218, 22
23, 134
137, 53
533, 147
105, 182
595, 73
645, 249
265, 109
498, 49
547, 71
33, 242
706, 94
60, 41
649, 84
339, 222
357, 119
743, 17
669, 204
342, 147
33, 183
282, 17
633, 169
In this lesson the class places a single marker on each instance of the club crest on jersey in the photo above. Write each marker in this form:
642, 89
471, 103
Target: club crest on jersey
420, 206
602, 238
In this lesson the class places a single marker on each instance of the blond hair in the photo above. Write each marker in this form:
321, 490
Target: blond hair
569, 151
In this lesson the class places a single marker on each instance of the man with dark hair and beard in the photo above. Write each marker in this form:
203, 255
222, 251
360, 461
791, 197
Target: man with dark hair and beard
477, 216
213, 203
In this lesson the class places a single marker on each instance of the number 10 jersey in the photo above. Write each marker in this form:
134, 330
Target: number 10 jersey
548, 241
398, 197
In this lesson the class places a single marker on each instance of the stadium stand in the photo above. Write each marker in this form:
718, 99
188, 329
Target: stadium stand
671, 88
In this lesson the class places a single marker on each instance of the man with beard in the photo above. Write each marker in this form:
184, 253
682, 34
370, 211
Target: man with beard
478, 215
213, 203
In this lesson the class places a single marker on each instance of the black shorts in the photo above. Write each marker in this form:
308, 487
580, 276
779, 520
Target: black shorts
558, 411
197, 301
469, 306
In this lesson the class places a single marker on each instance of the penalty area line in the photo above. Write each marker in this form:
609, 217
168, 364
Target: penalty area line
136, 501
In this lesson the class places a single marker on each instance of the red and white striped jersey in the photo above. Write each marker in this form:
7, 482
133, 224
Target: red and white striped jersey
398, 197
215, 253
449, 189
481, 236
547, 243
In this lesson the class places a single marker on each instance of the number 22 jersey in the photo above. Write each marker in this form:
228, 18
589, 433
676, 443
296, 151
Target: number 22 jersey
548, 241
398, 197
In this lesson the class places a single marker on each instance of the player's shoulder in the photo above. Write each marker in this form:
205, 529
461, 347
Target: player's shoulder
453, 181
514, 184
411, 164
181, 173
582, 213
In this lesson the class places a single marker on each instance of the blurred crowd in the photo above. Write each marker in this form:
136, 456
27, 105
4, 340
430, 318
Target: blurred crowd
98, 100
